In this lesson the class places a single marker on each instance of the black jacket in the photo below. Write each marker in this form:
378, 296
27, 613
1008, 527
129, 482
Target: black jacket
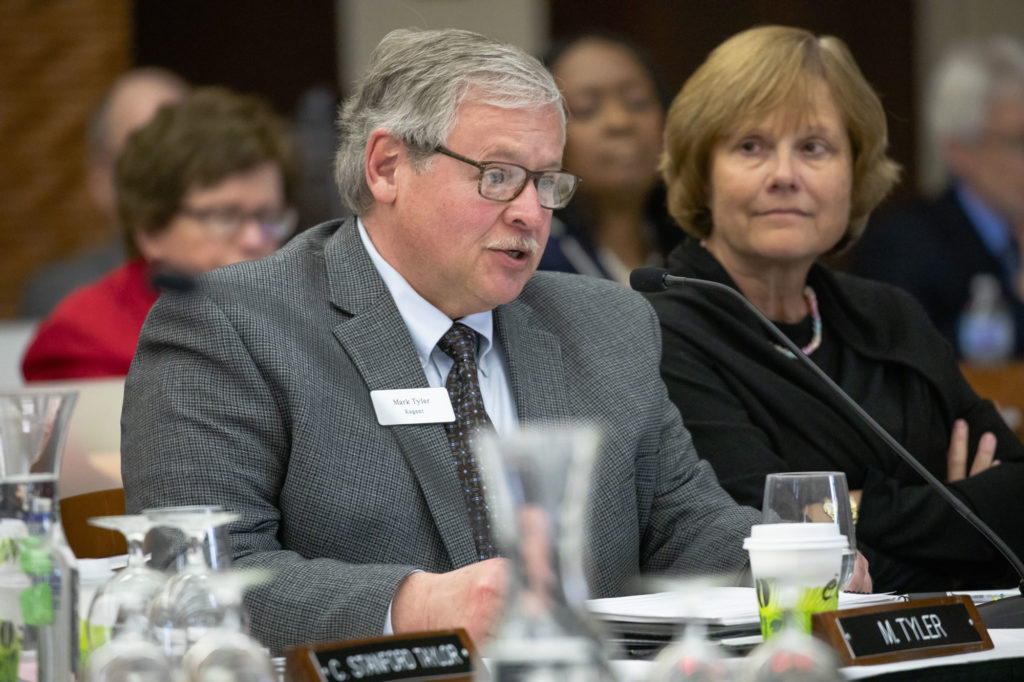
753, 411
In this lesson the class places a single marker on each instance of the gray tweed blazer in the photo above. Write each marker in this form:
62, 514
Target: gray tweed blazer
252, 392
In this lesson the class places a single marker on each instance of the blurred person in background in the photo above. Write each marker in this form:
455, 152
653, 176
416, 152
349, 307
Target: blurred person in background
130, 103
617, 221
316, 139
775, 155
935, 247
208, 182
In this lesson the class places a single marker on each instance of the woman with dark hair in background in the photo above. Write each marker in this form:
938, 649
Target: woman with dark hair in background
617, 221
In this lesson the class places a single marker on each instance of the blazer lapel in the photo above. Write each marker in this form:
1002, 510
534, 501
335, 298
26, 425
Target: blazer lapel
534, 358
377, 341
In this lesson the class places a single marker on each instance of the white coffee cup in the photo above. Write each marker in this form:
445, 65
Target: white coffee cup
795, 566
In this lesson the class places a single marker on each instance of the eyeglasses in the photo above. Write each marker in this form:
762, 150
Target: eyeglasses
227, 221
501, 181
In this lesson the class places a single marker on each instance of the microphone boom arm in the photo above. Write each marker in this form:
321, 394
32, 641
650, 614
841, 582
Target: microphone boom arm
912, 461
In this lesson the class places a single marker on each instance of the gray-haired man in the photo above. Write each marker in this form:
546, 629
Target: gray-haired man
257, 391
935, 247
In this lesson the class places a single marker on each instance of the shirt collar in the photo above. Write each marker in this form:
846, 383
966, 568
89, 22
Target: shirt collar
425, 322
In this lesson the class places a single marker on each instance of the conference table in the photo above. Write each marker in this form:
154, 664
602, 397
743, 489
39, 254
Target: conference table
1003, 663
646, 614
731, 608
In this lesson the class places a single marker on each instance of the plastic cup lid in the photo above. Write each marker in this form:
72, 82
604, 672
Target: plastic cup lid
794, 536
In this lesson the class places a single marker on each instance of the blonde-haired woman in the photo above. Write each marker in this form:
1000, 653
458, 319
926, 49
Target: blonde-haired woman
775, 155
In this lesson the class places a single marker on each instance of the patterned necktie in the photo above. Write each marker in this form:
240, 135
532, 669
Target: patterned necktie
463, 385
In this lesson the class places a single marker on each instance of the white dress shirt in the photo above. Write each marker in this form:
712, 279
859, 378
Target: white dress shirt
427, 325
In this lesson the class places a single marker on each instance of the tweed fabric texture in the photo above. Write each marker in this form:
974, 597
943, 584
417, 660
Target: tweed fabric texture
253, 392
463, 386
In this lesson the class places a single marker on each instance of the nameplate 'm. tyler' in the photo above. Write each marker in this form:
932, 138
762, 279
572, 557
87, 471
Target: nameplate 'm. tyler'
436, 656
923, 628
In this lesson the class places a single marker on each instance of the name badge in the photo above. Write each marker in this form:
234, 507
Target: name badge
439, 656
412, 406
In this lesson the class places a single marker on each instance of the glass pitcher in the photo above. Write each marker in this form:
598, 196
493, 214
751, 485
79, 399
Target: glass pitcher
38, 572
538, 480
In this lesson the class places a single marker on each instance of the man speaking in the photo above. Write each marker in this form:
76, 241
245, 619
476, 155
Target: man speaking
270, 388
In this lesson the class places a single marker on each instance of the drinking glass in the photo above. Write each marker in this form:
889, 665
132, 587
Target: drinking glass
226, 652
689, 656
130, 654
790, 655
130, 591
538, 481
813, 497
168, 546
38, 572
186, 606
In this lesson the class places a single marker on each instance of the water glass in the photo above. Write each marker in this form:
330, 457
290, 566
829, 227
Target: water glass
813, 497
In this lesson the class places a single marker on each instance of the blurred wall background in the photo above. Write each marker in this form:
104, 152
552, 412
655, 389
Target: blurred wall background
56, 61
57, 57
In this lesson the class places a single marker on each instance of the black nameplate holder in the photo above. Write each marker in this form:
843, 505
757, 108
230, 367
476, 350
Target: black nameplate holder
922, 628
444, 655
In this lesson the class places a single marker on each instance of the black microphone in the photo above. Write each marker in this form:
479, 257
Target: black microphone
1002, 613
173, 281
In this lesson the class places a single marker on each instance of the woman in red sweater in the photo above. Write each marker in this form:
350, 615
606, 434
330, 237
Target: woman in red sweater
208, 182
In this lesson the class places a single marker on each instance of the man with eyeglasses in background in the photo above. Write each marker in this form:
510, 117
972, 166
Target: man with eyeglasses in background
265, 390
208, 182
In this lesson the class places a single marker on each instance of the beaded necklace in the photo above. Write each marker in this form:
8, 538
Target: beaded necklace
812, 303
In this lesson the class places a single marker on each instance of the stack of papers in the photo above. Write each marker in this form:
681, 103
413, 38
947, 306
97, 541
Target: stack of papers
643, 623
723, 606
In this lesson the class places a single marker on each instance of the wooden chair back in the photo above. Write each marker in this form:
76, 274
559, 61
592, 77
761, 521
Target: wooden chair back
1002, 384
90, 542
